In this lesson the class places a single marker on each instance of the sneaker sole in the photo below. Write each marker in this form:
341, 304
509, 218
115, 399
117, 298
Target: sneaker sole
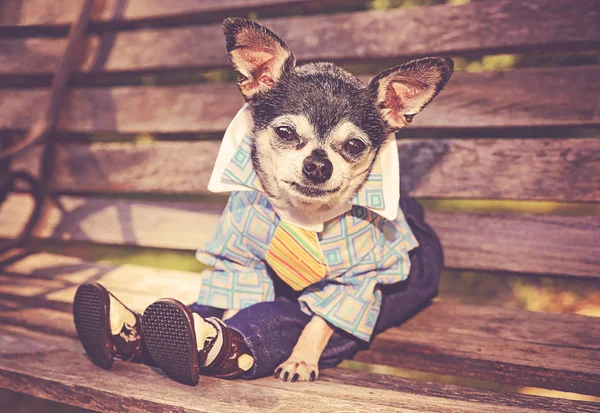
168, 329
91, 309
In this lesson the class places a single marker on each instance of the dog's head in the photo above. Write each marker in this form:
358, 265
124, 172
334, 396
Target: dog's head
317, 128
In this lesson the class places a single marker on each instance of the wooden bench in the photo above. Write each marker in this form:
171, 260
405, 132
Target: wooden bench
138, 138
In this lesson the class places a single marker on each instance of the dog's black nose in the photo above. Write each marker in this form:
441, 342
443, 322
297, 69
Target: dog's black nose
317, 168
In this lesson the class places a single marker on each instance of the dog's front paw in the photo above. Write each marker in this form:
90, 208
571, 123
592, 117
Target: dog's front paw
294, 369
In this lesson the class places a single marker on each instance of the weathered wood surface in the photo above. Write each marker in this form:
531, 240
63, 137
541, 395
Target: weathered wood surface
448, 391
518, 98
540, 169
57, 374
506, 26
37, 292
560, 245
45, 13
539, 244
511, 346
178, 225
45, 276
557, 351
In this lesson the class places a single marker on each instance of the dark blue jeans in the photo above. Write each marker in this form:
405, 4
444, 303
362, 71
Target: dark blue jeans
271, 329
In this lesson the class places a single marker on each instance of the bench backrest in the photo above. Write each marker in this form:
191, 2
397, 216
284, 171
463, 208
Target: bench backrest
150, 104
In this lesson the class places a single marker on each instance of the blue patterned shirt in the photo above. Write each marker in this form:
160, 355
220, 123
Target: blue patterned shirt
363, 251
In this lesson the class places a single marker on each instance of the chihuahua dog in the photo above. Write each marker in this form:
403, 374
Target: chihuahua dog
316, 136
317, 132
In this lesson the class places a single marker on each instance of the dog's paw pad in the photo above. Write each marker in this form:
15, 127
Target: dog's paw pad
293, 371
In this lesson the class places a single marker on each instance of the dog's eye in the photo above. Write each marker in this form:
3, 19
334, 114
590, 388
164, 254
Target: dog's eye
355, 147
286, 133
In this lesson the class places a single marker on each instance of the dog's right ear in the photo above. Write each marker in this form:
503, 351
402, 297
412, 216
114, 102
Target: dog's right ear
257, 54
403, 91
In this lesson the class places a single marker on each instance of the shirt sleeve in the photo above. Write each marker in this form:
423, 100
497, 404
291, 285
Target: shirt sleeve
237, 278
353, 308
394, 265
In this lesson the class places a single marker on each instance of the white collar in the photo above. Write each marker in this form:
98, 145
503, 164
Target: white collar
233, 171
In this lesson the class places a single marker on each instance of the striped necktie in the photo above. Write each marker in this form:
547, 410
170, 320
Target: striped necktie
296, 257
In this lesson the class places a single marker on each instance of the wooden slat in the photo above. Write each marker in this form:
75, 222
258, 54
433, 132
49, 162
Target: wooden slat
504, 242
55, 278
483, 27
44, 13
557, 351
38, 291
553, 351
522, 243
519, 98
448, 391
54, 373
70, 378
120, 222
540, 169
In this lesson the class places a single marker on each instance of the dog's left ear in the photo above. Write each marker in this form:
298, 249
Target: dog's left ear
257, 54
403, 91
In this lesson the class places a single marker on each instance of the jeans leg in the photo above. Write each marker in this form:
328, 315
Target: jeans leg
205, 311
272, 330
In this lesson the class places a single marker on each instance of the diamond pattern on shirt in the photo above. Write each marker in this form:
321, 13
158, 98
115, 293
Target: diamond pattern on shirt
362, 249
240, 169
371, 194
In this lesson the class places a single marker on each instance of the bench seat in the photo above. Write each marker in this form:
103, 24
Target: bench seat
57, 370
556, 351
